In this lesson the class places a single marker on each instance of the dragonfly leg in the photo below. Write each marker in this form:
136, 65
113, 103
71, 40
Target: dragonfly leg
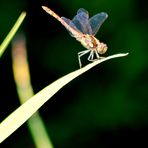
97, 55
80, 54
83, 52
91, 56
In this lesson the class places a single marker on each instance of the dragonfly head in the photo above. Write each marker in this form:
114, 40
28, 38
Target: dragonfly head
101, 48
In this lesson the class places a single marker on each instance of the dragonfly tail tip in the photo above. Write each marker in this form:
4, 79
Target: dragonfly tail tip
44, 7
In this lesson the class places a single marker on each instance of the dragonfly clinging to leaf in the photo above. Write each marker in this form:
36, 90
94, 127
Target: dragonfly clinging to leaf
84, 30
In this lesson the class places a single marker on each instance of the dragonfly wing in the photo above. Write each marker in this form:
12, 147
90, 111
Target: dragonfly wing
70, 23
96, 21
84, 11
81, 21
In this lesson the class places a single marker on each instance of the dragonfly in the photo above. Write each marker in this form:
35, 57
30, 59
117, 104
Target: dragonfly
84, 29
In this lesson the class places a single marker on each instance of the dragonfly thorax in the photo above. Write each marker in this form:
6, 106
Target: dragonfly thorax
92, 43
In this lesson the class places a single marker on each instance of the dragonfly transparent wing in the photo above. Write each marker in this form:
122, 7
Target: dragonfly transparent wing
81, 21
70, 23
96, 21
83, 10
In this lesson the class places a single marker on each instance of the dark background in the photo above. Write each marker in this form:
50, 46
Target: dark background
105, 107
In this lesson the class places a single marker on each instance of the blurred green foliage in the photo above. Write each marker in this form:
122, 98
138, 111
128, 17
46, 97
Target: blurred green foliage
108, 105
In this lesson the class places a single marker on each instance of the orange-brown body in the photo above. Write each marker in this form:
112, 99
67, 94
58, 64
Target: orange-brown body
92, 44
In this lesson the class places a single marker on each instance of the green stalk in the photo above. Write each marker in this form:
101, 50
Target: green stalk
12, 32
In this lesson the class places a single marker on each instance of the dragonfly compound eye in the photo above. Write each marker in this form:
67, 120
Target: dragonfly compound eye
102, 48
